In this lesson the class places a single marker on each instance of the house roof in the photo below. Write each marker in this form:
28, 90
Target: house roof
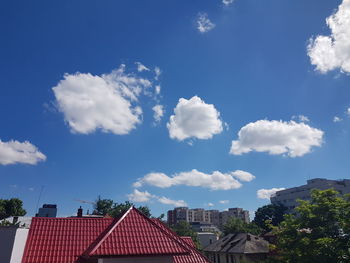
66, 240
239, 243
194, 257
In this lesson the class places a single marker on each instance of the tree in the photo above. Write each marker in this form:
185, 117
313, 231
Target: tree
11, 207
108, 206
269, 215
184, 229
319, 232
236, 225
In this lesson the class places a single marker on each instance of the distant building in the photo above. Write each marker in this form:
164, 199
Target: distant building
48, 210
288, 197
207, 238
237, 248
200, 215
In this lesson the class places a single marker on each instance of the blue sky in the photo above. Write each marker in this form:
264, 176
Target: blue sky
77, 114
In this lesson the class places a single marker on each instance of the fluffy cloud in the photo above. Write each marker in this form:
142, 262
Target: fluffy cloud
227, 2
224, 201
277, 137
142, 197
333, 51
243, 175
267, 193
108, 102
194, 118
213, 181
210, 204
158, 112
167, 201
203, 23
138, 196
13, 152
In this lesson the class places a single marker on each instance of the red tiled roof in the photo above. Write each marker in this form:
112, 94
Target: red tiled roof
136, 234
61, 240
65, 240
194, 257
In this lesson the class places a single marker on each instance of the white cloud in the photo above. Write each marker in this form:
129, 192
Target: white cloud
348, 111
141, 67
194, 118
158, 112
13, 152
333, 51
157, 89
224, 201
157, 71
243, 175
210, 204
167, 201
108, 102
267, 193
138, 196
301, 118
277, 137
31, 189
336, 119
203, 23
227, 2
214, 181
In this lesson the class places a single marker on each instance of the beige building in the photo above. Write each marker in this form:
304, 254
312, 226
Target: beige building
288, 197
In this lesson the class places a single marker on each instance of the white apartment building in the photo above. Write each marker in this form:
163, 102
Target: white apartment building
288, 197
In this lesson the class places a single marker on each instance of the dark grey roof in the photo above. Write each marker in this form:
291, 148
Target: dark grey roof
239, 243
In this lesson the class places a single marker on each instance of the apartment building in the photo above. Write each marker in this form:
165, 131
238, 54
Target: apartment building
200, 215
289, 197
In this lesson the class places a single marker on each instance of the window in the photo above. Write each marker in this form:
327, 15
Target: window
233, 259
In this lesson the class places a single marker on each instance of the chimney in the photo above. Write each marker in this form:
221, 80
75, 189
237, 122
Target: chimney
80, 212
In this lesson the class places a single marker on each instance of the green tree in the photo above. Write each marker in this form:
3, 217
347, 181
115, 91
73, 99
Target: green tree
236, 225
184, 229
11, 207
269, 215
319, 232
108, 206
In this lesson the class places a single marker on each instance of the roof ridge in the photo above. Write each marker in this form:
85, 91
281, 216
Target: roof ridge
188, 246
103, 236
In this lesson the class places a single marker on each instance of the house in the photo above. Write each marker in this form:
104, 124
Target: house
12, 242
236, 248
131, 238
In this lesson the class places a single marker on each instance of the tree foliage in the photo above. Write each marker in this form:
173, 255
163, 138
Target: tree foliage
269, 215
11, 207
236, 225
319, 232
113, 209
184, 229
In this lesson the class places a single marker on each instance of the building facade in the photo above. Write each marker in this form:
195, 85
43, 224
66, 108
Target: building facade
289, 197
200, 215
48, 210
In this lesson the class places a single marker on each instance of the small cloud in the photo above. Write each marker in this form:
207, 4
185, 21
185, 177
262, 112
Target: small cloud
204, 24
214, 181
157, 71
224, 201
210, 204
141, 67
243, 176
14, 186
227, 2
176, 203
348, 111
267, 193
158, 112
301, 118
138, 196
157, 89
194, 118
31, 189
13, 152
337, 119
